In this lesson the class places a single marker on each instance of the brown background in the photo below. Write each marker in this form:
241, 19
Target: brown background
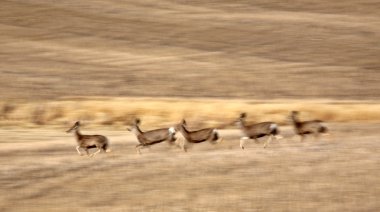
245, 49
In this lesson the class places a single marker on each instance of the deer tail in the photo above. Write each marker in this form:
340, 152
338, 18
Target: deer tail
106, 147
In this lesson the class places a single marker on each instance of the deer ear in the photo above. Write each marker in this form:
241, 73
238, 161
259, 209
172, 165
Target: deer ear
183, 121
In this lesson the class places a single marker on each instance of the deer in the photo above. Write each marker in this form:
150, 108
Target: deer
258, 130
198, 136
149, 138
87, 142
303, 128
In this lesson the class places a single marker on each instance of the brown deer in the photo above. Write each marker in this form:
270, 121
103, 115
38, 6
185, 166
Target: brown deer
148, 138
303, 128
255, 131
198, 136
87, 142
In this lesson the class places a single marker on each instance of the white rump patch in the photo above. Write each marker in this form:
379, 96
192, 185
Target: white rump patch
273, 126
172, 130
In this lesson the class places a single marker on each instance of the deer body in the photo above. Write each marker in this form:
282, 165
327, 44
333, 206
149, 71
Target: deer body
302, 128
258, 130
87, 142
152, 137
198, 136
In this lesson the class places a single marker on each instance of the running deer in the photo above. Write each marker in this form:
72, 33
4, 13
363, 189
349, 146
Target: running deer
198, 136
148, 138
255, 131
87, 142
302, 128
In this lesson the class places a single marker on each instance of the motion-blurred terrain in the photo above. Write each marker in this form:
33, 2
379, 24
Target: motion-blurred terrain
255, 49
106, 62
337, 173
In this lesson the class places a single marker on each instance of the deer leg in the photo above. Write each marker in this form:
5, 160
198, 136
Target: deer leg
93, 154
211, 141
242, 142
87, 151
302, 138
79, 151
169, 142
268, 141
178, 143
279, 137
316, 136
138, 147
183, 145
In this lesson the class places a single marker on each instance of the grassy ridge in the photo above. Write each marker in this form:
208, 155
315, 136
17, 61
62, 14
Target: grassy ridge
220, 49
163, 111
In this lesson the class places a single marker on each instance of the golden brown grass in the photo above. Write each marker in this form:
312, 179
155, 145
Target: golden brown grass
241, 49
163, 111
41, 171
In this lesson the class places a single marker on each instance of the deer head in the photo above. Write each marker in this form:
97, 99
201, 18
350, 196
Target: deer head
74, 127
135, 125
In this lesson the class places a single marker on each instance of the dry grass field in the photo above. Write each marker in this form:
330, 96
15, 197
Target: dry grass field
159, 112
106, 62
41, 171
246, 49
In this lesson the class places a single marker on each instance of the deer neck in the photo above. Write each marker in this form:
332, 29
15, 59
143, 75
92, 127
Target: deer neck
241, 124
78, 135
296, 121
136, 130
184, 131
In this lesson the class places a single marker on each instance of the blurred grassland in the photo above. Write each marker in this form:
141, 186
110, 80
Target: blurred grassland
169, 48
106, 62
118, 112
222, 54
